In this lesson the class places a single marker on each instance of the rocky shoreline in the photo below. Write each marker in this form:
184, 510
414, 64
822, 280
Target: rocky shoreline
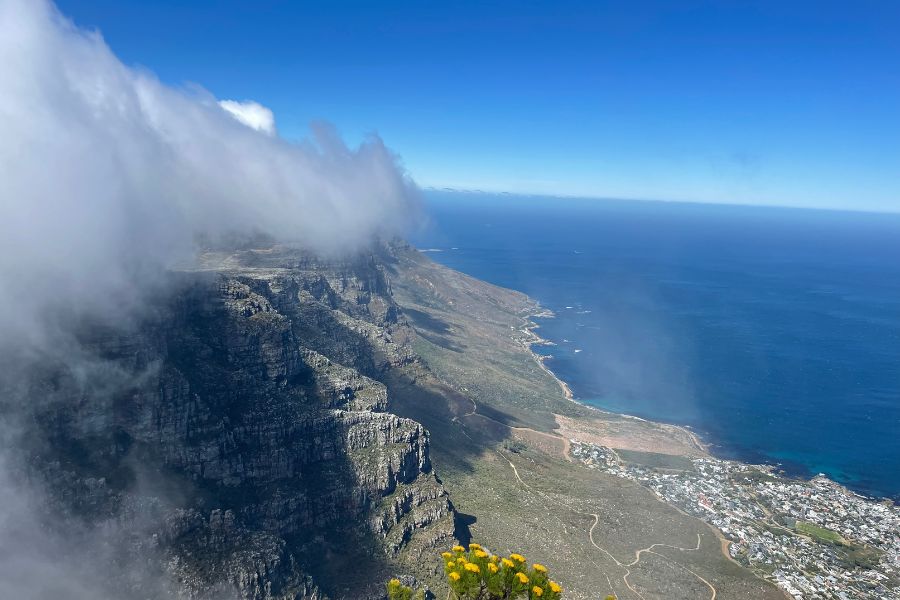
533, 339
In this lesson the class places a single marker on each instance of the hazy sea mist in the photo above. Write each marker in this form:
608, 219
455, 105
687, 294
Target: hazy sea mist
774, 333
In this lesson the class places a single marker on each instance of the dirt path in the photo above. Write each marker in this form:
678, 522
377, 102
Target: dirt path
637, 554
626, 567
555, 440
564, 453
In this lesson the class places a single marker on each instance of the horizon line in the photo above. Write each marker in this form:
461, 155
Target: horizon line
476, 191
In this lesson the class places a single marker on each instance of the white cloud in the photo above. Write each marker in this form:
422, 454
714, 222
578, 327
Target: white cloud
106, 173
251, 114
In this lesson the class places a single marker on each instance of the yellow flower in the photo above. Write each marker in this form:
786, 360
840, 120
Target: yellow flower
461, 560
517, 557
472, 567
555, 587
495, 558
492, 568
507, 563
523, 578
539, 568
446, 555
537, 591
394, 582
481, 554
454, 576
450, 565
458, 549
474, 546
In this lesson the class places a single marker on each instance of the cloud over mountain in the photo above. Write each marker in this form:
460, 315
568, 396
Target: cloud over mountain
106, 173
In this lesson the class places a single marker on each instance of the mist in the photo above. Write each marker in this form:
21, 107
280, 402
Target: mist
108, 177
107, 174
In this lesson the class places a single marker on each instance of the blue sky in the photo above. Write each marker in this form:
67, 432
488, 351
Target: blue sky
789, 103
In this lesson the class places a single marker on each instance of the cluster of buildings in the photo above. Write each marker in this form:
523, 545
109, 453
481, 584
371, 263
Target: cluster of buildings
815, 539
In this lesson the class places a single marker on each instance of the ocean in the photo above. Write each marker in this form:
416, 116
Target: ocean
773, 333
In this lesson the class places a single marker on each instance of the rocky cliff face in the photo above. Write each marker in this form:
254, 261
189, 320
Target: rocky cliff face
236, 436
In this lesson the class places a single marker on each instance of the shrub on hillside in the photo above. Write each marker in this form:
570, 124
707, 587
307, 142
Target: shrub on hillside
477, 574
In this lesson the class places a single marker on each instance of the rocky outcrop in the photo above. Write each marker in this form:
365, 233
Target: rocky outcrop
238, 433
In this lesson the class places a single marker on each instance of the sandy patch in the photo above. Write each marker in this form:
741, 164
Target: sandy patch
631, 434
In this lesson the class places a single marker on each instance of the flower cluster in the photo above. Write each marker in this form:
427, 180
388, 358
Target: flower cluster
476, 574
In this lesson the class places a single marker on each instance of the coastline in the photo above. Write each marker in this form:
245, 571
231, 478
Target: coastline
533, 339
529, 328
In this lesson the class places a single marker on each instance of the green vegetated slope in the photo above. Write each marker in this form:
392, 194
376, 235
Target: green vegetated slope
852, 555
490, 413
819, 533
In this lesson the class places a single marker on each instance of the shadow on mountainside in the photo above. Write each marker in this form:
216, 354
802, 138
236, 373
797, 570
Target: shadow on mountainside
441, 410
433, 329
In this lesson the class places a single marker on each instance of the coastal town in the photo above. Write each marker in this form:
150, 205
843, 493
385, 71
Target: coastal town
814, 539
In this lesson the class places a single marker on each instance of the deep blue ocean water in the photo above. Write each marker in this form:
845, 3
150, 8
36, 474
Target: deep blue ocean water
774, 333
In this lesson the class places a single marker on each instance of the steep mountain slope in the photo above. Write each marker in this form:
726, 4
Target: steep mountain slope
233, 439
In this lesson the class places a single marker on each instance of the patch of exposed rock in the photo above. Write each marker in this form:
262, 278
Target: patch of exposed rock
235, 439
